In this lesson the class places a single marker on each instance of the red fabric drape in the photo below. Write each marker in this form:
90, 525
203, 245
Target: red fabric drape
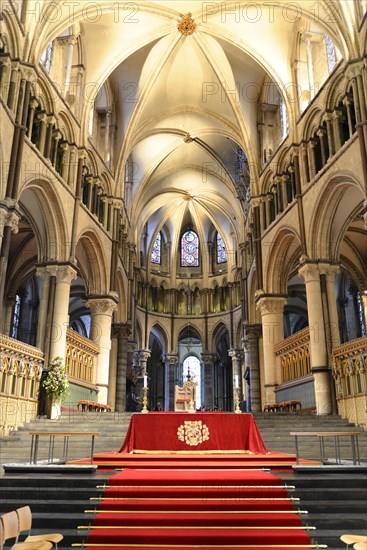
158, 431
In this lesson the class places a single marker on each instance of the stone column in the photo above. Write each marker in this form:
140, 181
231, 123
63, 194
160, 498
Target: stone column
32, 109
319, 361
322, 135
236, 356
170, 362
107, 146
364, 304
336, 130
330, 135
271, 309
330, 272
253, 333
60, 320
65, 163
102, 309
122, 332
44, 276
71, 43
9, 221
311, 158
208, 360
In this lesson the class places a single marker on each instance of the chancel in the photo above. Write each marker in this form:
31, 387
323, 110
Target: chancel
183, 216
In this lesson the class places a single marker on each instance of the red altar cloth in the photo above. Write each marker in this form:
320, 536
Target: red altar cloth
158, 431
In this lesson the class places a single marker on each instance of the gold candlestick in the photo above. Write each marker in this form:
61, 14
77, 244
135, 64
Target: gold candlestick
145, 400
237, 401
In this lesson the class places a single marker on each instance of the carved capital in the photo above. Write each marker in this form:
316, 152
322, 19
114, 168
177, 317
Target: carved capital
101, 306
329, 270
170, 359
309, 272
121, 330
208, 358
236, 354
144, 355
271, 304
63, 273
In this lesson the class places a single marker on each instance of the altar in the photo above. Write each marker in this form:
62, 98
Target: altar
191, 432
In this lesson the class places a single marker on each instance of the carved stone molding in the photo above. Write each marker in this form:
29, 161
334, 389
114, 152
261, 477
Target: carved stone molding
171, 359
309, 272
236, 354
186, 25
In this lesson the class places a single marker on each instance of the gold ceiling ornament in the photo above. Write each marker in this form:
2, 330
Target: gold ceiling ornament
187, 25
193, 432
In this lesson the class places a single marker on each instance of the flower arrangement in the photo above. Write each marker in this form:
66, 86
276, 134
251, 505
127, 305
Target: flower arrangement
56, 382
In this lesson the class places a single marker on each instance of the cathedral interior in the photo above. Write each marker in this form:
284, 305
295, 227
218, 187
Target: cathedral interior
183, 196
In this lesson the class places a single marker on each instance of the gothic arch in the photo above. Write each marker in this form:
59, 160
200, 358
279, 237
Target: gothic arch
161, 335
91, 255
336, 207
284, 252
52, 229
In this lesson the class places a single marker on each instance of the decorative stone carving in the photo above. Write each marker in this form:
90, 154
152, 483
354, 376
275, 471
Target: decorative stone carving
186, 25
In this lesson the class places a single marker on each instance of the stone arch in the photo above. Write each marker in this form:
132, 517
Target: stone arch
66, 127
42, 203
121, 282
93, 260
161, 335
312, 123
11, 33
336, 207
284, 253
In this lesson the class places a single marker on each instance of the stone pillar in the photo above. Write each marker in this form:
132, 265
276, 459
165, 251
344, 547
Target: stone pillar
122, 332
330, 272
71, 43
107, 146
170, 361
319, 361
271, 309
32, 109
44, 275
253, 333
311, 158
364, 304
9, 221
330, 135
48, 137
102, 309
336, 130
208, 360
236, 356
322, 135
60, 320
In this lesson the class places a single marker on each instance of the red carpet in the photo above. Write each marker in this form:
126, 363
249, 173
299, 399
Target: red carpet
211, 509
214, 499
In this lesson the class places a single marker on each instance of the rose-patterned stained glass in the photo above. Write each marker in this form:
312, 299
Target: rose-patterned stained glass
221, 250
156, 252
190, 249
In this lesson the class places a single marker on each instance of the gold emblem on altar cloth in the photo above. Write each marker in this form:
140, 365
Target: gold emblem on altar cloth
193, 432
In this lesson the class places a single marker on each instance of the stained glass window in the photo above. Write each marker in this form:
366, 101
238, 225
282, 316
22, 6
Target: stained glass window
156, 252
283, 117
221, 250
190, 249
331, 53
46, 57
16, 317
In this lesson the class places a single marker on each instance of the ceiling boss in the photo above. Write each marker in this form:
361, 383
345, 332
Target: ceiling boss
186, 25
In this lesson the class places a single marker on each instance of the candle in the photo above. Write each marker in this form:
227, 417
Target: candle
145, 381
236, 381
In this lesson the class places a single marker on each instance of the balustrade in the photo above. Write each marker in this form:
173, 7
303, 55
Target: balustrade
294, 353
21, 368
349, 362
81, 358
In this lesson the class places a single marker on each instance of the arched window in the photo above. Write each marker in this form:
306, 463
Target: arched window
189, 249
46, 57
16, 317
156, 252
330, 53
221, 250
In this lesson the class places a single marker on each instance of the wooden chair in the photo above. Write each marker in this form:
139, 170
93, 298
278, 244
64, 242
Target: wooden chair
360, 546
9, 529
353, 539
25, 524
